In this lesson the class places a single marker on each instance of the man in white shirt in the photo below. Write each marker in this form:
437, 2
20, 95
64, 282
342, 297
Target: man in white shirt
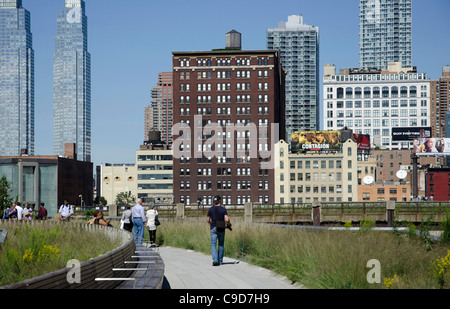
19, 210
65, 211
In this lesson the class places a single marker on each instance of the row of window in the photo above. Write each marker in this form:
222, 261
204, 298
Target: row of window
223, 171
376, 92
377, 113
226, 200
223, 62
245, 98
315, 189
354, 124
225, 185
224, 111
376, 104
262, 86
225, 74
307, 164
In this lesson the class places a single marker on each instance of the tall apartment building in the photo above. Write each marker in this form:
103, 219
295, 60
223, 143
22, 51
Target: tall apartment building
72, 82
229, 105
298, 44
308, 177
148, 121
16, 80
161, 108
385, 33
373, 102
440, 100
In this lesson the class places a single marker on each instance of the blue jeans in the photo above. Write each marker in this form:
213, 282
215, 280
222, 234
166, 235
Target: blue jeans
217, 255
138, 230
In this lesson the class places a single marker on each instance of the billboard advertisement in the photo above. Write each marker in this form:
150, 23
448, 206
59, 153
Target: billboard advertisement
321, 141
409, 134
431, 146
362, 140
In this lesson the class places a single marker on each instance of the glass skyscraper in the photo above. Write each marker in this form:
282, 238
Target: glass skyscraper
72, 82
299, 47
16, 80
385, 33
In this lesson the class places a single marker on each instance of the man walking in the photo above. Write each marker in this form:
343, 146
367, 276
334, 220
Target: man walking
218, 220
139, 221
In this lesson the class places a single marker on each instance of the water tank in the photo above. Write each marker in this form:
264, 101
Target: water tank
233, 40
154, 135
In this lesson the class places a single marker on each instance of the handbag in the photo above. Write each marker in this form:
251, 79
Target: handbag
157, 221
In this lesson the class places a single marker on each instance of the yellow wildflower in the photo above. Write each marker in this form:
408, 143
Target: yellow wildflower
28, 256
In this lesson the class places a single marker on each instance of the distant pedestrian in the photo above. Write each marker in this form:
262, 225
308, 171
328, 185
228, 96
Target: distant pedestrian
152, 216
19, 211
13, 212
27, 212
218, 220
65, 211
139, 221
127, 220
6, 213
41, 212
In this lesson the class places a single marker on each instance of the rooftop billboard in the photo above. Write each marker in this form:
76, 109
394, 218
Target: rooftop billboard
409, 134
362, 140
431, 146
321, 141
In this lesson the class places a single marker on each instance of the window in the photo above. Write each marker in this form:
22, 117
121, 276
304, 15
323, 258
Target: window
366, 196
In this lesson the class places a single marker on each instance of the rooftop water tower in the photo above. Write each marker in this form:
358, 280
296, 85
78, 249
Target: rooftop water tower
233, 40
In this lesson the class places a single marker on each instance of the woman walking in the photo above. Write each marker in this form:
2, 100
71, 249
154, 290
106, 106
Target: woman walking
152, 215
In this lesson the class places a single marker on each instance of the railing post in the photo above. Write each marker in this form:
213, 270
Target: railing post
316, 210
113, 210
248, 214
180, 211
390, 211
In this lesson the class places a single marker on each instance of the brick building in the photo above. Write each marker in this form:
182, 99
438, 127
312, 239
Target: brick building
438, 184
243, 93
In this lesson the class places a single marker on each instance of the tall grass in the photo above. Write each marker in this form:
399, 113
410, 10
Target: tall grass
30, 251
318, 259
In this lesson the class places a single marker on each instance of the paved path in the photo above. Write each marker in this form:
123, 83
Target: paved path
187, 269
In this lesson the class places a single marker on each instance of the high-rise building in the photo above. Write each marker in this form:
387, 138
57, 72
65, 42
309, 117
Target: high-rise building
72, 82
385, 33
440, 104
16, 80
161, 108
227, 104
299, 49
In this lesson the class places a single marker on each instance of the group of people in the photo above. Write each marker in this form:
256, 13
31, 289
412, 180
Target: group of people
17, 212
136, 220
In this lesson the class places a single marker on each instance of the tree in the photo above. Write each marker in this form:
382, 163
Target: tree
6, 198
125, 199
100, 200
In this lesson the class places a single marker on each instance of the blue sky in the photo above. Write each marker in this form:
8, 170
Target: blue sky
132, 41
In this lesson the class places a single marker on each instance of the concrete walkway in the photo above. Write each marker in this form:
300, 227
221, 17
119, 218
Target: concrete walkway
187, 269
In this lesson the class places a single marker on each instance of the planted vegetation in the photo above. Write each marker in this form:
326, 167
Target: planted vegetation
321, 259
33, 250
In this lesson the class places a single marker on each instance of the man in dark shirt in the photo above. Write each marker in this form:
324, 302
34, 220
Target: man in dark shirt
217, 215
41, 213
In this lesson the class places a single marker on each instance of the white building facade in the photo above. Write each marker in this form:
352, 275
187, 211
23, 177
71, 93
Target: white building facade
375, 103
